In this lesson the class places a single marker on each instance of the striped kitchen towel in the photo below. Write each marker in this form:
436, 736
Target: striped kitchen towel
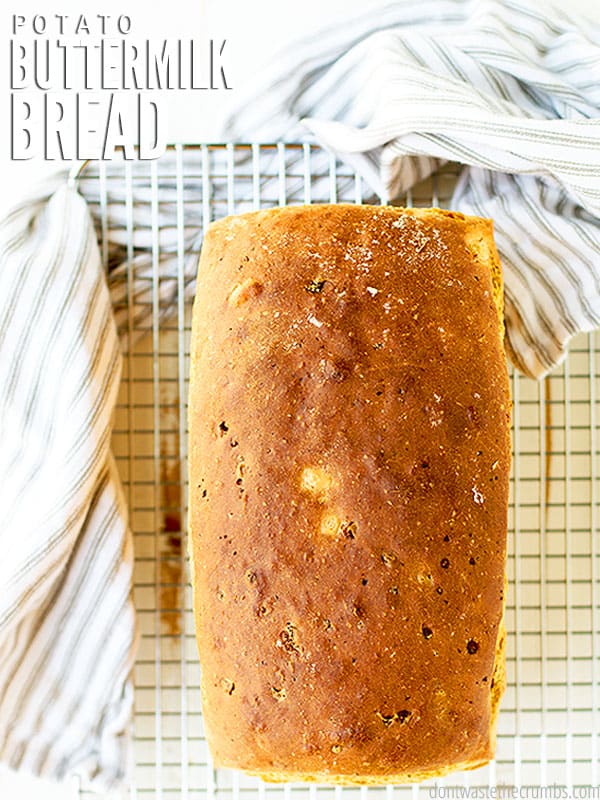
511, 91
66, 616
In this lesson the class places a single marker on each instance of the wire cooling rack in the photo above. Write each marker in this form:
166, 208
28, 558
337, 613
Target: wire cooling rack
549, 724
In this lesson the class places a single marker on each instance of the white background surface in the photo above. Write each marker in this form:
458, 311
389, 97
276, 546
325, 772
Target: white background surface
255, 31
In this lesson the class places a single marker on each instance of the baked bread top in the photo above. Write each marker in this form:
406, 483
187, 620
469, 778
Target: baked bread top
349, 463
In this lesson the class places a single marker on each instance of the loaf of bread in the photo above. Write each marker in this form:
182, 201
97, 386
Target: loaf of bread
349, 458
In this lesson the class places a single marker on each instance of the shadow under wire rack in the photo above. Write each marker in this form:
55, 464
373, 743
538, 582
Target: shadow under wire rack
149, 218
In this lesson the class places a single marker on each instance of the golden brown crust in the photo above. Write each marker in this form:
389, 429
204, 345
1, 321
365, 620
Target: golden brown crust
349, 459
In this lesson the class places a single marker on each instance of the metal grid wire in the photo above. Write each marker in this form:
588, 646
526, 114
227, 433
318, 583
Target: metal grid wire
550, 718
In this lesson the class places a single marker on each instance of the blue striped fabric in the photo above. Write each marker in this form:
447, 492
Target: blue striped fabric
66, 616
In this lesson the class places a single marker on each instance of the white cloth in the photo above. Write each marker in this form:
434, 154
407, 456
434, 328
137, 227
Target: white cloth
510, 91
66, 616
